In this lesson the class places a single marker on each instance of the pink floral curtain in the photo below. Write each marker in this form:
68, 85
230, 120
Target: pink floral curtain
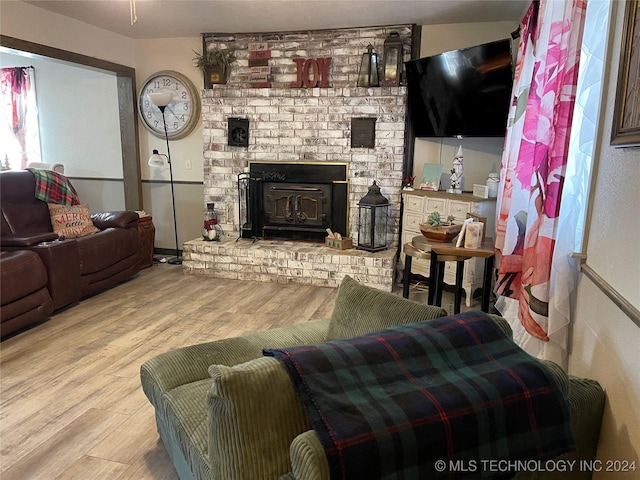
22, 143
535, 157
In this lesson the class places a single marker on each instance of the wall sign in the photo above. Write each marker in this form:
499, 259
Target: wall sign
259, 55
312, 72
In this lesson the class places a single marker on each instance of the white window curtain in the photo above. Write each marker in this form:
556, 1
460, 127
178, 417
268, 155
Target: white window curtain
19, 131
571, 221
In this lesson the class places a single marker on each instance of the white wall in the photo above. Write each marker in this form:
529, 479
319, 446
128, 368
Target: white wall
605, 343
481, 155
87, 149
79, 126
172, 54
24, 21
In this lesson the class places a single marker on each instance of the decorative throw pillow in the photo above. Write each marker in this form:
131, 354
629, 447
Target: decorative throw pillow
254, 416
359, 309
71, 221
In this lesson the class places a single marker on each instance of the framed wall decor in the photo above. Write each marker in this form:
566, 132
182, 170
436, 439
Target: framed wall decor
626, 119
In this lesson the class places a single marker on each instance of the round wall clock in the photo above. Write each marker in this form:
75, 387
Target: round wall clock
181, 114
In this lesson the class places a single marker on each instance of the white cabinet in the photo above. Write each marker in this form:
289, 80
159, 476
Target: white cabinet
418, 204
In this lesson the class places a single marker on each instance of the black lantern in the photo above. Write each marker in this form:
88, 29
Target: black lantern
368, 75
373, 211
392, 60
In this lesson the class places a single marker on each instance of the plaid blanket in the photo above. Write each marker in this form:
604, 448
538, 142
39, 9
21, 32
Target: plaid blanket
392, 403
52, 187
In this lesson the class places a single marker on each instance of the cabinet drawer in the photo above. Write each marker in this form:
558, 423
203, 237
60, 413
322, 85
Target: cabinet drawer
414, 203
458, 209
436, 204
407, 237
412, 222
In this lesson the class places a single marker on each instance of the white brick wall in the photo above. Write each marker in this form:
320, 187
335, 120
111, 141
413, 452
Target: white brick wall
302, 124
311, 125
293, 128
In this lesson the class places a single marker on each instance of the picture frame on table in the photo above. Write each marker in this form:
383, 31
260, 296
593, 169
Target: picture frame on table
430, 180
625, 130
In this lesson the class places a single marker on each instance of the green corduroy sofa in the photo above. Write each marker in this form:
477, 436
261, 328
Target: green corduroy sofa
225, 412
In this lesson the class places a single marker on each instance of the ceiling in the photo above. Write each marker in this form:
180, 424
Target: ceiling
190, 18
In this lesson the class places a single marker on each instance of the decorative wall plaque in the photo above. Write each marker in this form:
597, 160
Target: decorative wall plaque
363, 132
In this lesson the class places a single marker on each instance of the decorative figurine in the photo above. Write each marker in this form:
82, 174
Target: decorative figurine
407, 184
457, 172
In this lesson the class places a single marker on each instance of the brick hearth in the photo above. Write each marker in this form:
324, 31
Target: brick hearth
287, 262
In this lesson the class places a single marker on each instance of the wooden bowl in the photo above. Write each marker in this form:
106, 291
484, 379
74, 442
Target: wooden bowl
442, 233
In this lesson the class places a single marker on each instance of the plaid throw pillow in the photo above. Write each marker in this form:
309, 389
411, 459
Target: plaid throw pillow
71, 221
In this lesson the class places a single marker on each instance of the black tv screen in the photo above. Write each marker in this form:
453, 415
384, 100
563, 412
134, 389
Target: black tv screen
463, 92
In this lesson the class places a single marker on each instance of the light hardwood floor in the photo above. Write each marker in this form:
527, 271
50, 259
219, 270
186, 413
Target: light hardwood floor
71, 405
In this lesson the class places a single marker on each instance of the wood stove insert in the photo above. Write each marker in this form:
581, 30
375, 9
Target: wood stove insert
298, 200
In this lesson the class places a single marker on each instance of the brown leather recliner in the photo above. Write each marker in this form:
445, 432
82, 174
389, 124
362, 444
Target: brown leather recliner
23, 291
75, 267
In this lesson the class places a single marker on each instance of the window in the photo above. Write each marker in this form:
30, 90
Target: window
19, 132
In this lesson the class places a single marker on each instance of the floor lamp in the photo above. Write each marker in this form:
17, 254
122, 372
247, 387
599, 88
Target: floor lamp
161, 100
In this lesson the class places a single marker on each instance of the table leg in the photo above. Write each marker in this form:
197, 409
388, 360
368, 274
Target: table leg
406, 276
458, 294
440, 284
433, 274
486, 285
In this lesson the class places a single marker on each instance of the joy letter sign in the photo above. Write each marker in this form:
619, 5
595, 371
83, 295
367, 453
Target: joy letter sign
312, 72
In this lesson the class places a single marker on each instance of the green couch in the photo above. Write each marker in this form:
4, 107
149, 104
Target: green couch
226, 412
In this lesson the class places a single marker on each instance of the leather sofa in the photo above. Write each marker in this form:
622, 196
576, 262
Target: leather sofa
23, 291
75, 267
224, 411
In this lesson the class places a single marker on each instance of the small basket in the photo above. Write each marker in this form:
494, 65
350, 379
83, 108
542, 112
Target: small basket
338, 244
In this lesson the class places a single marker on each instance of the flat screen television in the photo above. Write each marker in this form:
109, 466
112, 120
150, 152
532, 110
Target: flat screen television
463, 92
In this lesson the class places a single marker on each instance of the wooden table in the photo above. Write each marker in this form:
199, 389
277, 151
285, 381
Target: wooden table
421, 249
147, 233
441, 252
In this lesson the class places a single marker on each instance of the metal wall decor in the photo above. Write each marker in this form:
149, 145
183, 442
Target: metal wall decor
363, 133
238, 132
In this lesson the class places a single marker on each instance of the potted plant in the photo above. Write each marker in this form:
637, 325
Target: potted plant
438, 230
215, 64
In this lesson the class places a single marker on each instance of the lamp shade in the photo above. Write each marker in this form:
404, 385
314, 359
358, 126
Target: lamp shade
156, 160
160, 99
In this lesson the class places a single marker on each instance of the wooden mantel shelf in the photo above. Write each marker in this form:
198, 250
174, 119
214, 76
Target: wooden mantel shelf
463, 197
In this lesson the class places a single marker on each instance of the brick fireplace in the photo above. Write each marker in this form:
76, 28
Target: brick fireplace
291, 126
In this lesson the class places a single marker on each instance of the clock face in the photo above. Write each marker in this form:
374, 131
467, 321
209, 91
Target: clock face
181, 115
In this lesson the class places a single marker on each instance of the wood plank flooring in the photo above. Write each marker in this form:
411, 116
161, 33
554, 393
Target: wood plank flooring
71, 405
